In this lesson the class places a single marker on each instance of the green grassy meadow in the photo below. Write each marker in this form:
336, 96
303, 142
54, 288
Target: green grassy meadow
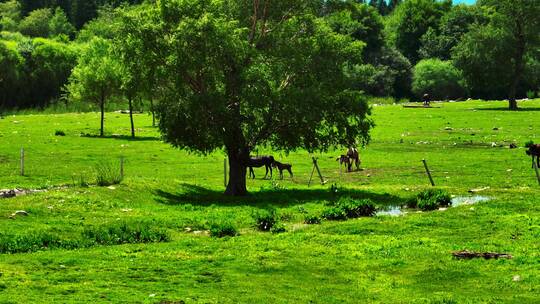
382, 259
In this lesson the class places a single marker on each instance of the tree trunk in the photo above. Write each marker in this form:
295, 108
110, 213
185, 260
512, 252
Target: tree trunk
131, 117
152, 110
237, 174
521, 45
102, 107
515, 83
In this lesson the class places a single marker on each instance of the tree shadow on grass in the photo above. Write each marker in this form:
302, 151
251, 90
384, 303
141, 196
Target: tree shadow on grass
123, 137
505, 109
196, 195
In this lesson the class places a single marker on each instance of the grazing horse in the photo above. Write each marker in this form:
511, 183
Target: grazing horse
281, 167
534, 151
354, 156
344, 160
257, 162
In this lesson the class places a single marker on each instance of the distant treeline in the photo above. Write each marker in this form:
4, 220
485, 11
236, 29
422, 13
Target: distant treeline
490, 50
78, 11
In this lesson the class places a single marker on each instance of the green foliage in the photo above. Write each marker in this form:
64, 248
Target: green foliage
335, 213
265, 219
107, 174
125, 233
11, 63
59, 24
410, 21
432, 199
278, 228
32, 242
223, 229
10, 15
36, 24
362, 23
440, 79
96, 77
241, 87
312, 219
355, 208
493, 57
110, 234
438, 43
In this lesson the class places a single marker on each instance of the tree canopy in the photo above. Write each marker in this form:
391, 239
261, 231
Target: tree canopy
274, 77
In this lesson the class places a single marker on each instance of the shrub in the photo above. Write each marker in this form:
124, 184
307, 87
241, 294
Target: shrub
312, 220
59, 133
265, 219
357, 208
223, 229
31, 242
335, 214
432, 199
278, 228
125, 233
108, 174
115, 234
440, 79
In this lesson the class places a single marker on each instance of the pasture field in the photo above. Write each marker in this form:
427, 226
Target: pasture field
382, 259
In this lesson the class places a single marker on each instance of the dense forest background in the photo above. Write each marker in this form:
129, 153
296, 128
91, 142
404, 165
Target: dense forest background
488, 50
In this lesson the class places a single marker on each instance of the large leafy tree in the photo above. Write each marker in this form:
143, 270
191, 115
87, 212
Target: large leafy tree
411, 20
453, 25
11, 64
496, 54
96, 77
239, 74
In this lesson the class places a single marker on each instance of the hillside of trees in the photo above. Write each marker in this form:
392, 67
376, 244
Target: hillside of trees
61, 51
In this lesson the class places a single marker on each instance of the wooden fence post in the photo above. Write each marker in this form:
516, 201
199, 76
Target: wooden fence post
122, 167
22, 161
316, 167
225, 172
536, 170
428, 172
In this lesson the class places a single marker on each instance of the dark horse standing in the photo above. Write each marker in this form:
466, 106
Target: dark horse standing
353, 156
534, 152
257, 162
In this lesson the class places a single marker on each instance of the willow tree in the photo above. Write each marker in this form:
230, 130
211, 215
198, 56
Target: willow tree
239, 74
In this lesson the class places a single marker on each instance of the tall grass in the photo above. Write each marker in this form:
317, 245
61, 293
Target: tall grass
110, 234
108, 173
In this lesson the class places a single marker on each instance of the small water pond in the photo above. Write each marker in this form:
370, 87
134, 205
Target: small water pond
456, 202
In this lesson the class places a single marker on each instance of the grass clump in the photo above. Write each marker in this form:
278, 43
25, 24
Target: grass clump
108, 174
278, 228
432, 199
357, 208
223, 229
265, 219
312, 220
59, 133
33, 242
125, 233
336, 213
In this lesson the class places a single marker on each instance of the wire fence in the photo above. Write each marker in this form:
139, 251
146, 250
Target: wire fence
31, 166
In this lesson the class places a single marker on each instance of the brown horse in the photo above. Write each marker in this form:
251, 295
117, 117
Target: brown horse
354, 156
344, 160
534, 151
281, 167
257, 162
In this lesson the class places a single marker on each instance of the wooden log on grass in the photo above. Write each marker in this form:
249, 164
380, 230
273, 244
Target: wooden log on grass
466, 254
